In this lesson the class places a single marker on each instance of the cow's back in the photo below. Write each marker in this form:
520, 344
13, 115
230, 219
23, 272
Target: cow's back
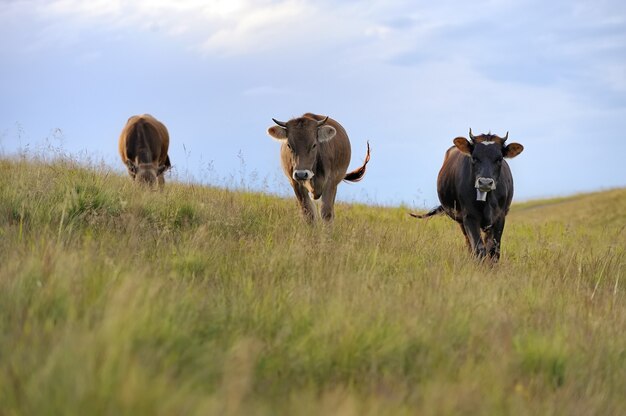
163, 136
144, 139
451, 181
506, 186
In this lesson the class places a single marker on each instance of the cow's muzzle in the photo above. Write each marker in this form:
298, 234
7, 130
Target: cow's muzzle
302, 175
484, 185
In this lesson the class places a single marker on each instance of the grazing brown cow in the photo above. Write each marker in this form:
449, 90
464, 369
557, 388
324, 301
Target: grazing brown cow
315, 154
475, 188
143, 147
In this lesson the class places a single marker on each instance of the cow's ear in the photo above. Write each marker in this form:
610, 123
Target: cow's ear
513, 150
162, 169
277, 133
326, 133
463, 145
132, 168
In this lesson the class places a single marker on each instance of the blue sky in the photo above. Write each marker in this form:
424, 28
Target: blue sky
408, 76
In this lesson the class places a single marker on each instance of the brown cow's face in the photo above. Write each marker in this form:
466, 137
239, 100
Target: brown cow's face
487, 153
302, 137
147, 175
144, 173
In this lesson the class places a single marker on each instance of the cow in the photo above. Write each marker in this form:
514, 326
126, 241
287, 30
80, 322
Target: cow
143, 148
315, 154
475, 188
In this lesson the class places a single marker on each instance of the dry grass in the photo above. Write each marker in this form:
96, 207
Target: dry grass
206, 301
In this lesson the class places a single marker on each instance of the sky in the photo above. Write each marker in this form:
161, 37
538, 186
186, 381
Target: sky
407, 75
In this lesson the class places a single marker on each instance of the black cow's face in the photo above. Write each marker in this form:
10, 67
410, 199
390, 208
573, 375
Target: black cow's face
487, 153
302, 137
486, 164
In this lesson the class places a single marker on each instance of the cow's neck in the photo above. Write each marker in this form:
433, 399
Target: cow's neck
489, 209
316, 185
319, 166
319, 170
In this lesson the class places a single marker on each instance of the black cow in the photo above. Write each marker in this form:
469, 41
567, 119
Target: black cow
475, 188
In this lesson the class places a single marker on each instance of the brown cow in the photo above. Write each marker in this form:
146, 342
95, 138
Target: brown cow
315, 154
143, 148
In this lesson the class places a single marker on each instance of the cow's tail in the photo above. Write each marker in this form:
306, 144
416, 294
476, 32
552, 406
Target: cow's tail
434, 211
357, 174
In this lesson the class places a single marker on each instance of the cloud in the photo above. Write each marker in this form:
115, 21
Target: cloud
91, 9
260, 29
388, 29
241, 27
560, 44
420, 72
227, 27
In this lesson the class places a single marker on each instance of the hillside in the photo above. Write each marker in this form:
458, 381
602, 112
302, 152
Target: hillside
203, 301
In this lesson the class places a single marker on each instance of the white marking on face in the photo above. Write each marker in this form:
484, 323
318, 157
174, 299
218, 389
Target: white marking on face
488, 143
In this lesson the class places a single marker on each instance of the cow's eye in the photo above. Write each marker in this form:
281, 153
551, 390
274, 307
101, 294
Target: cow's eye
474, 160
288, 146
314, 146
499, 160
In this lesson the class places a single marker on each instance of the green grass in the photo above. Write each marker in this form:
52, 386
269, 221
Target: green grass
198, 301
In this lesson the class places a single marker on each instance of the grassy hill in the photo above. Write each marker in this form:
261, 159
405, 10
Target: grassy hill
199, 301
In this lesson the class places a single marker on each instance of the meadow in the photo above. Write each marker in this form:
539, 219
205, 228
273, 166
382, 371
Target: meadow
202, 301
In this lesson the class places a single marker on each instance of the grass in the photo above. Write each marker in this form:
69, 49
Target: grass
204, 301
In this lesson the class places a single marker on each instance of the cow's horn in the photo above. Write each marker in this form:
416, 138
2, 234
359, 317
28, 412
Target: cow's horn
280, 123
471, 135
506, 137
322, 122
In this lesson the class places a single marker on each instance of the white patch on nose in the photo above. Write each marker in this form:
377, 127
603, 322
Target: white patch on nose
302, 175
484, 183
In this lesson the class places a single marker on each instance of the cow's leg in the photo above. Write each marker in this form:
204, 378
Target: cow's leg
472, 231
467, 240
493, 237
328, 203
488, 240
161, 181
306, 204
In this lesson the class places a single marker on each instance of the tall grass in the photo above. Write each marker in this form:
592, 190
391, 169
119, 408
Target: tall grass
115, 300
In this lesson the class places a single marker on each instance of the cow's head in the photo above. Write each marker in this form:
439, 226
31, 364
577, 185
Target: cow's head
145, 173
487, 152
302, 137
